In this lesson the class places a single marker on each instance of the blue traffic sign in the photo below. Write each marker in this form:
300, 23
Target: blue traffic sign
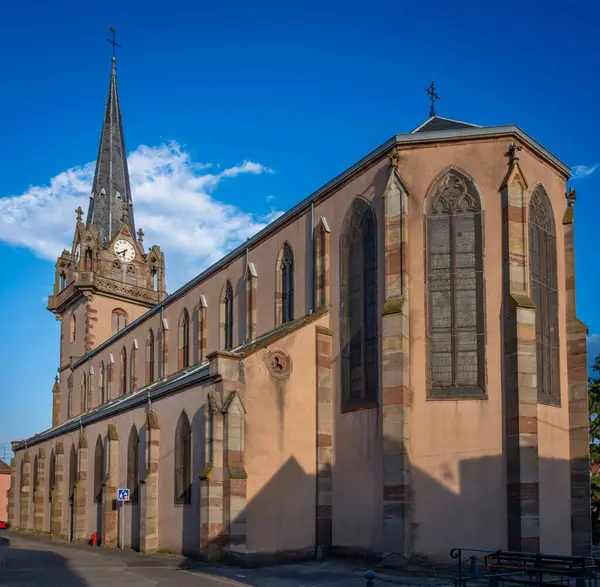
123, 495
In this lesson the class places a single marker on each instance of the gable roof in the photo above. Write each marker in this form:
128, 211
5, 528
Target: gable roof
4, 468
441, 123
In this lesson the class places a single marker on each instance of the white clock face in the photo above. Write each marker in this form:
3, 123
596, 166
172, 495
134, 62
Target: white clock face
77, 254
124, 251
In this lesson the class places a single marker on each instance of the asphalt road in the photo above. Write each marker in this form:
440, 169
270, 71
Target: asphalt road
27, 561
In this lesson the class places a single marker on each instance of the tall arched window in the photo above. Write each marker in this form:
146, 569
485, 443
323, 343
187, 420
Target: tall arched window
227, 316
133, 464
70, 403
98, 470
101, 385
51, 474
359, 315
72, 472
183, 460
544, 293
287, 284
62, 281
119, 320
455, 288
184, 340
73, 328
123, 374
150, 358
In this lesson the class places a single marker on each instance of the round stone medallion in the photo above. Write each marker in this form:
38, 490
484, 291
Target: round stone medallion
279, 364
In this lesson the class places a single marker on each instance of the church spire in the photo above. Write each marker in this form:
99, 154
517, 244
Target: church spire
111, 193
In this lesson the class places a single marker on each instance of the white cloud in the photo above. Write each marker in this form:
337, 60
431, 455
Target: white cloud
269, 198
581, 171
173, 203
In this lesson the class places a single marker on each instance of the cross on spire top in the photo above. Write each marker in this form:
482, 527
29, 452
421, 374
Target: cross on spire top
570, 195
113, 42
432, 97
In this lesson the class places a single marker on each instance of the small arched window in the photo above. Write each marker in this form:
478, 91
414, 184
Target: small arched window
184, 340
62, 281
99, 474
227, 316
131, 275
150, 358
287, 284
133, 464
101, 385
119, 320
183, 460
123, 374
73, 328
544, 294
359, 314
455, 288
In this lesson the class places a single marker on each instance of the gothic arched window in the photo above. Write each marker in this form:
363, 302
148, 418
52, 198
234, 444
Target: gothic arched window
184, 340
183, 460
287, 284
150, 357
131, 275
123, 374
116, 271
119, 320
227, 316
544, 293
62, 281
359, 314
133, 464
98, 470
455, 288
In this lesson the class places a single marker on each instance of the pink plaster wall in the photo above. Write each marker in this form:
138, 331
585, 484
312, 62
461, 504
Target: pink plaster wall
4, 487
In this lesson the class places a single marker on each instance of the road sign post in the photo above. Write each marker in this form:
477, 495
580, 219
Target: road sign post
122, 497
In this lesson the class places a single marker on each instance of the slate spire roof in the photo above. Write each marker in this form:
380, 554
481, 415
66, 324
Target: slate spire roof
111, 190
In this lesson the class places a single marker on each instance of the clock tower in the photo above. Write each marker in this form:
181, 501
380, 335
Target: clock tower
107, 279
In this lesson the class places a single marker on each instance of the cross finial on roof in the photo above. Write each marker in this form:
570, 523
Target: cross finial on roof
570, 195
432, 97
512, 152
140, 234
79, 213
114, 43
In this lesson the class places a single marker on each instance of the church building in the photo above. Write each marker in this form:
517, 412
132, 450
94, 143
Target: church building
394, 365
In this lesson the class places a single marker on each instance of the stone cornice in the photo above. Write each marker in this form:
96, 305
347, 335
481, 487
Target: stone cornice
87, 280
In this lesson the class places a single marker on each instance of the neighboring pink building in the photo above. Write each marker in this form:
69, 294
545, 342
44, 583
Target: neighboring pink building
394, 365
4, 487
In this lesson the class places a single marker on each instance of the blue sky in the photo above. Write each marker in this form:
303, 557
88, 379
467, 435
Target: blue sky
278, 98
